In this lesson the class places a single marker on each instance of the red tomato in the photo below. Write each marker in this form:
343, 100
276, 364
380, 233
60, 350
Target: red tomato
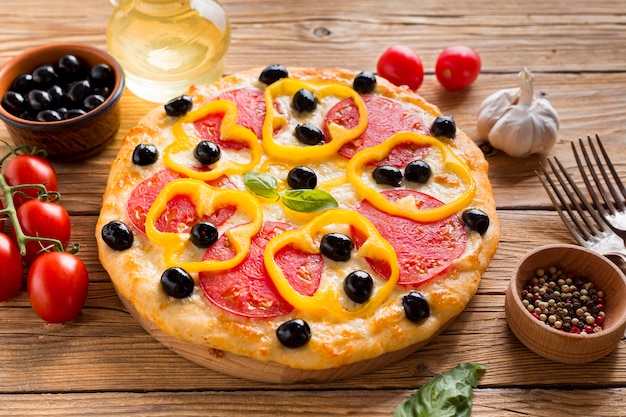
457, 67
180, 213
424, 249
401, 66
251, 114
57, 286
247, 289
11, 270
29, 169
385, 117
43, 219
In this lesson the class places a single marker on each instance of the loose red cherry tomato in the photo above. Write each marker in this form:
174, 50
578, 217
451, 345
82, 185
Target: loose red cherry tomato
46, 220
457, 67
11, 270
29, 169
401, 66
57, 286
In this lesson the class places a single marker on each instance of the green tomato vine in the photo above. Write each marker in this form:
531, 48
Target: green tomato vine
10, 211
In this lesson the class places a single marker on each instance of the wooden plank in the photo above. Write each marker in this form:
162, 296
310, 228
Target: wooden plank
355, 403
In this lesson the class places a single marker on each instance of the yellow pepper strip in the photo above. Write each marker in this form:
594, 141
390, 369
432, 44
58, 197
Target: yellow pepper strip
326, 300
378, 200
229, 131
205, 199
339, 135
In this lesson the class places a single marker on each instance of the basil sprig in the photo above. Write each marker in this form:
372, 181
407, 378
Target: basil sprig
446, 395
261, 184
304, 201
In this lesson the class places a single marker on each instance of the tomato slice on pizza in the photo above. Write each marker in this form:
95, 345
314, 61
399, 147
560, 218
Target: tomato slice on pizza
385, 117
180, 214
247, 290
251, 106
424, 249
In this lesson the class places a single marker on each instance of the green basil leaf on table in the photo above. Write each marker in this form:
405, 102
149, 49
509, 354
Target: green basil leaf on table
261, 184
308, 201
445, 395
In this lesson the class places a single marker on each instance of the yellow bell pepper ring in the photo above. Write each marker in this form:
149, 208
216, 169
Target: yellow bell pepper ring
451, 162
229, 131
205, 199
326, 300
339, 135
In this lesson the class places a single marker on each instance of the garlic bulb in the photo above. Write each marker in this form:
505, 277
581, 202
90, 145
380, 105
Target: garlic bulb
516, 122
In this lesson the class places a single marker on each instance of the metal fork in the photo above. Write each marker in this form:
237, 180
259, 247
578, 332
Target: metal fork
612, 207
581, 219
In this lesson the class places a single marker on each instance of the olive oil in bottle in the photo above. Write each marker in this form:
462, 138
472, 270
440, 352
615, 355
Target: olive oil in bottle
164, 46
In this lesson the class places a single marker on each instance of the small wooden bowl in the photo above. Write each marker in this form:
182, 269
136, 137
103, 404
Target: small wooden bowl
71, 139
558, 345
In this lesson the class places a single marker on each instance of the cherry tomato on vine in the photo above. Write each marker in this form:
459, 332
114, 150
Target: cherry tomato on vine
43, 219
11, 270
401, 65
457, 67
29, 169
57, 286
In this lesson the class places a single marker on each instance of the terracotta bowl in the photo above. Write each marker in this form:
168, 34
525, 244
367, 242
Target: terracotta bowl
558, 345
71, 139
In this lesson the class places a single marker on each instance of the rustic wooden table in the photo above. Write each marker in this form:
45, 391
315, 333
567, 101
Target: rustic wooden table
104, 363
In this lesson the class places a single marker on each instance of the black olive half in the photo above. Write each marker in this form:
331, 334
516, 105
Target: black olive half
207, 152
364, 82
309, 134
117, 235
387, 175
145, 154
177, 283
178, 106
302, 177
204, 234
336, 246
273, 73
417, 171
304, 101
443, 126
476, 220
294, 333
416, 307
358, 286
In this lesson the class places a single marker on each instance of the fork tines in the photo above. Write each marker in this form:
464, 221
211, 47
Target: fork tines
606, 184
577, 213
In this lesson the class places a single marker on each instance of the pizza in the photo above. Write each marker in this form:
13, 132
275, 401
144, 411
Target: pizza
297, 219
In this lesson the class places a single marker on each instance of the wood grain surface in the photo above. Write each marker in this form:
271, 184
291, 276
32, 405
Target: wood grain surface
103, 363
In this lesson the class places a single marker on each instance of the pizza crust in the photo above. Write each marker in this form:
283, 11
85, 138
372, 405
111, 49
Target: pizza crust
198, 330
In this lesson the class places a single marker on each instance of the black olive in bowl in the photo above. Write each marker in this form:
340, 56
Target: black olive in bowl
63, 98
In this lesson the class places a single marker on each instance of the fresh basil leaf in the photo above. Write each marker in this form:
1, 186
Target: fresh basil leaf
308, 201
261, 184
446, 395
